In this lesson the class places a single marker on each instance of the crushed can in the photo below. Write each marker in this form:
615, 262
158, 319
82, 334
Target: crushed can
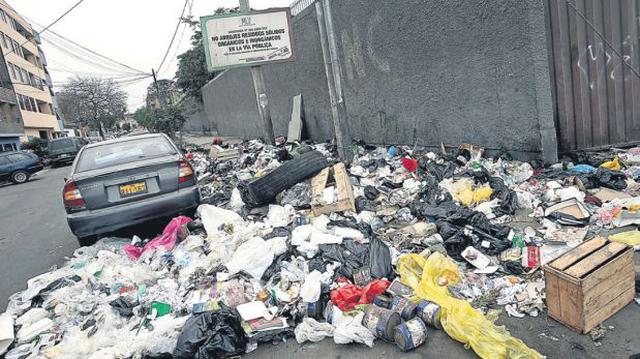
404, 307
362, 277
429, 312
311, 310
381, 322
410, 335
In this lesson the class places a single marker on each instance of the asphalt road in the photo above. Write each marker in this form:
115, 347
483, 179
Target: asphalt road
34, 236
33, 230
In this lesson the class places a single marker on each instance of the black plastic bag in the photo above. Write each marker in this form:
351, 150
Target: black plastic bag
352, 255
363, 204
464, 227
210, 335
610, 179
371, 192
380, 259
123, 307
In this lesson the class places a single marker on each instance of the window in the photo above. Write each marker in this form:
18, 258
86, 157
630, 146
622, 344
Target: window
17, 157
34, 105
123, 152
4, 40
3, 15
23, 105
24, 75
12, 71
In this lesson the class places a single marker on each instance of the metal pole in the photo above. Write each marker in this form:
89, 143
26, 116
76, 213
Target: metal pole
341, 120
260, 90
330, 79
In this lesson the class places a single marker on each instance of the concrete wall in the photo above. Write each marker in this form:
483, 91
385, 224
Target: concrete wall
230, 99
416, 71
197, 121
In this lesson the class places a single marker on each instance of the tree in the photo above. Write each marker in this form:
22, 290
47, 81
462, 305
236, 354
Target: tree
93, 101
168, 93
192, 72
167, 120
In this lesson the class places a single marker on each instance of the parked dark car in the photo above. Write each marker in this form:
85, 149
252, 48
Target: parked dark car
63, 151
118, 183
18, 167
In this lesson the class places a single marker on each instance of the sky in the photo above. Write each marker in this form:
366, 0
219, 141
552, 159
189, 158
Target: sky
133, 32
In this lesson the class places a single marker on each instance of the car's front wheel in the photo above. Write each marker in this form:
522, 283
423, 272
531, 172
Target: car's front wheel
87, 241
19, 176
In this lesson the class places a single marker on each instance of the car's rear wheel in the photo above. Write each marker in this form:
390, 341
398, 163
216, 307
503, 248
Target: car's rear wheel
87, 241
19, 176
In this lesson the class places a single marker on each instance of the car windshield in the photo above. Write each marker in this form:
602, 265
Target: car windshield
61, 145
113, 154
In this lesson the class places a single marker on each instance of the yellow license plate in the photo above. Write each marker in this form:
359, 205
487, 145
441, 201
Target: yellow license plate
131, 189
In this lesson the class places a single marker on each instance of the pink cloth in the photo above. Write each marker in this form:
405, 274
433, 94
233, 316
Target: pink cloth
167, 239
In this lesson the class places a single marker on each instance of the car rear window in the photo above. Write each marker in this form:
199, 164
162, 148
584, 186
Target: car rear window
62, 144
114, 154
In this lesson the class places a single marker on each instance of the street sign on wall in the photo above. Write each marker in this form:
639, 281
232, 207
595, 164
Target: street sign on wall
247, 39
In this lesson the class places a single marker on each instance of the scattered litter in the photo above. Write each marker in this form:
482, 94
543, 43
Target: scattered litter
289, 242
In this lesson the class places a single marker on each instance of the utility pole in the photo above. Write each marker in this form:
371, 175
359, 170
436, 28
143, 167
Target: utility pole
334, 80
159, 97
260, 90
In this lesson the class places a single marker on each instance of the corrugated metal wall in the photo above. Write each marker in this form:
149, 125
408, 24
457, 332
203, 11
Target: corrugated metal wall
597, 82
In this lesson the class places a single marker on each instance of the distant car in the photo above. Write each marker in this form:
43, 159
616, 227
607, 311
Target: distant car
18, 167
119, 183
64, 150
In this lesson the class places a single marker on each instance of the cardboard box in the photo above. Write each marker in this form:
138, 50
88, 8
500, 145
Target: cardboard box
590, 283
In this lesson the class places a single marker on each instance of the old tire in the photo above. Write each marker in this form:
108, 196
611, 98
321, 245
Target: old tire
87, 241
19, 176
264, 189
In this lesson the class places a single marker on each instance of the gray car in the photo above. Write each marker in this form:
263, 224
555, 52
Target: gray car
127, 181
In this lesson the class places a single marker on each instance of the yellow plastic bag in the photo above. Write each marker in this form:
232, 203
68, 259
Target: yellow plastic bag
429, 279
631, 238
612, 165
462, 191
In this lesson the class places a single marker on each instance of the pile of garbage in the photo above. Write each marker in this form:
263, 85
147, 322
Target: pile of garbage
404, 242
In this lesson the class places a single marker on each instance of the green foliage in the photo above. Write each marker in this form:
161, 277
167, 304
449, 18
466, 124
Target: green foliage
37, 145
126, 127
168, 120
192, 72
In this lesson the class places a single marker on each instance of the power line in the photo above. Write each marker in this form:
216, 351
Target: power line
173, 37
80, 57
94, 52
181, 37
53, 23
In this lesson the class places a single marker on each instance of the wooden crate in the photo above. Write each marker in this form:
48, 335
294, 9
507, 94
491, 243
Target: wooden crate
590, 283
345, 201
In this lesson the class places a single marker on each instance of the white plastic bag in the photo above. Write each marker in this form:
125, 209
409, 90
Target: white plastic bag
310, 290
280, 216
214, 217
312, 330
256, 255
350, 329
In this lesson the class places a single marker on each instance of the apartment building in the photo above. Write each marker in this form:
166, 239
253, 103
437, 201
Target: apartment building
11, 126
26, 68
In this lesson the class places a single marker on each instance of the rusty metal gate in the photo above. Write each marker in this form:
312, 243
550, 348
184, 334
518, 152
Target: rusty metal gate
596, 71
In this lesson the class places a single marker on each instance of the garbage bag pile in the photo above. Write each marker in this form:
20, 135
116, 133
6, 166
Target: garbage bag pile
433, 244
